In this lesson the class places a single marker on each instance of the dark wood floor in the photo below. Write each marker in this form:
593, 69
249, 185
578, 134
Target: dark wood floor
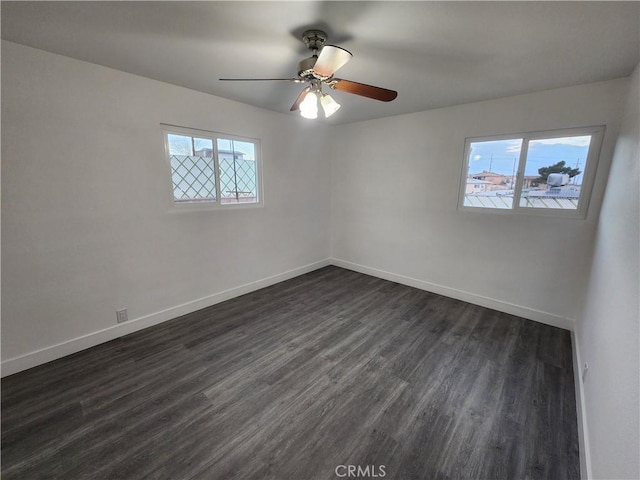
289, 382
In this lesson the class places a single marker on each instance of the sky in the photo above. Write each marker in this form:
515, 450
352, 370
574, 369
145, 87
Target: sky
501, 156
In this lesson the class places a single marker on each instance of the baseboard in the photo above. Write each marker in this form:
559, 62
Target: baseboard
39, 357
581, 412
510, 308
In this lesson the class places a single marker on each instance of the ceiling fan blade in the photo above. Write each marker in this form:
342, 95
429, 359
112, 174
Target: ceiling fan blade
331, 58
296, 104
297, 80
377, 93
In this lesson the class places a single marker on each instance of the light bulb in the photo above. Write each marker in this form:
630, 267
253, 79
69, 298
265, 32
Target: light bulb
329, 105
309, 106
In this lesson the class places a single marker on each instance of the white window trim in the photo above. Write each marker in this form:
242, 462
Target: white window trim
204, 205
588, 176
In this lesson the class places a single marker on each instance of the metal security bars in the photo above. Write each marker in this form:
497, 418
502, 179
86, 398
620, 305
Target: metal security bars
193, 178
210, 168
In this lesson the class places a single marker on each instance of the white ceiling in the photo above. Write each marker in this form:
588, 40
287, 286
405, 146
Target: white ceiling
434, 54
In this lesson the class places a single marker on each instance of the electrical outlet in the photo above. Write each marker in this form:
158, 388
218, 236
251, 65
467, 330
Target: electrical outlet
121, 315
584, 371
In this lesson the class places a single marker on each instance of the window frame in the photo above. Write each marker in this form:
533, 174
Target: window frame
207, 204
588, 176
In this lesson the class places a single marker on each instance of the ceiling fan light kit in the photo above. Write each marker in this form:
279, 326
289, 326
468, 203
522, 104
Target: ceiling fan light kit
309, 106
312, 96
329, 105
319, 69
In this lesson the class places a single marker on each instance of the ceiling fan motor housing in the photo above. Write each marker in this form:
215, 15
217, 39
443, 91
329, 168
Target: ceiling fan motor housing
305, 68
314, 40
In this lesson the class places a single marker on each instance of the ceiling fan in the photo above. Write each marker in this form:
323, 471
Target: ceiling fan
318, 70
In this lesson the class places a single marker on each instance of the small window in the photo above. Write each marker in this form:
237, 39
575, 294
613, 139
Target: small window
212, 169
540, 172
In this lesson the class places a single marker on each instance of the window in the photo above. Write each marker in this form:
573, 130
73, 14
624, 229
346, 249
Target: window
541, 172
212, 169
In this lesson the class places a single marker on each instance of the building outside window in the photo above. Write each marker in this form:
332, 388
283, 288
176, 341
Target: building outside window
548, 172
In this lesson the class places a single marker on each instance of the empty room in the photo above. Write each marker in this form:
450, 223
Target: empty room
320, 240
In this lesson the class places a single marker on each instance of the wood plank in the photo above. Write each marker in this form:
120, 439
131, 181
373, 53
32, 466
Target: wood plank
288, 382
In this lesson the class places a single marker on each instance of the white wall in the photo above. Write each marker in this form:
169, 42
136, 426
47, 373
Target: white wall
607, 333
87, 227
86, 197
395, 190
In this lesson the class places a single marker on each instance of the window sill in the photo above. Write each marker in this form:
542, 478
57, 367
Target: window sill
185, 207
